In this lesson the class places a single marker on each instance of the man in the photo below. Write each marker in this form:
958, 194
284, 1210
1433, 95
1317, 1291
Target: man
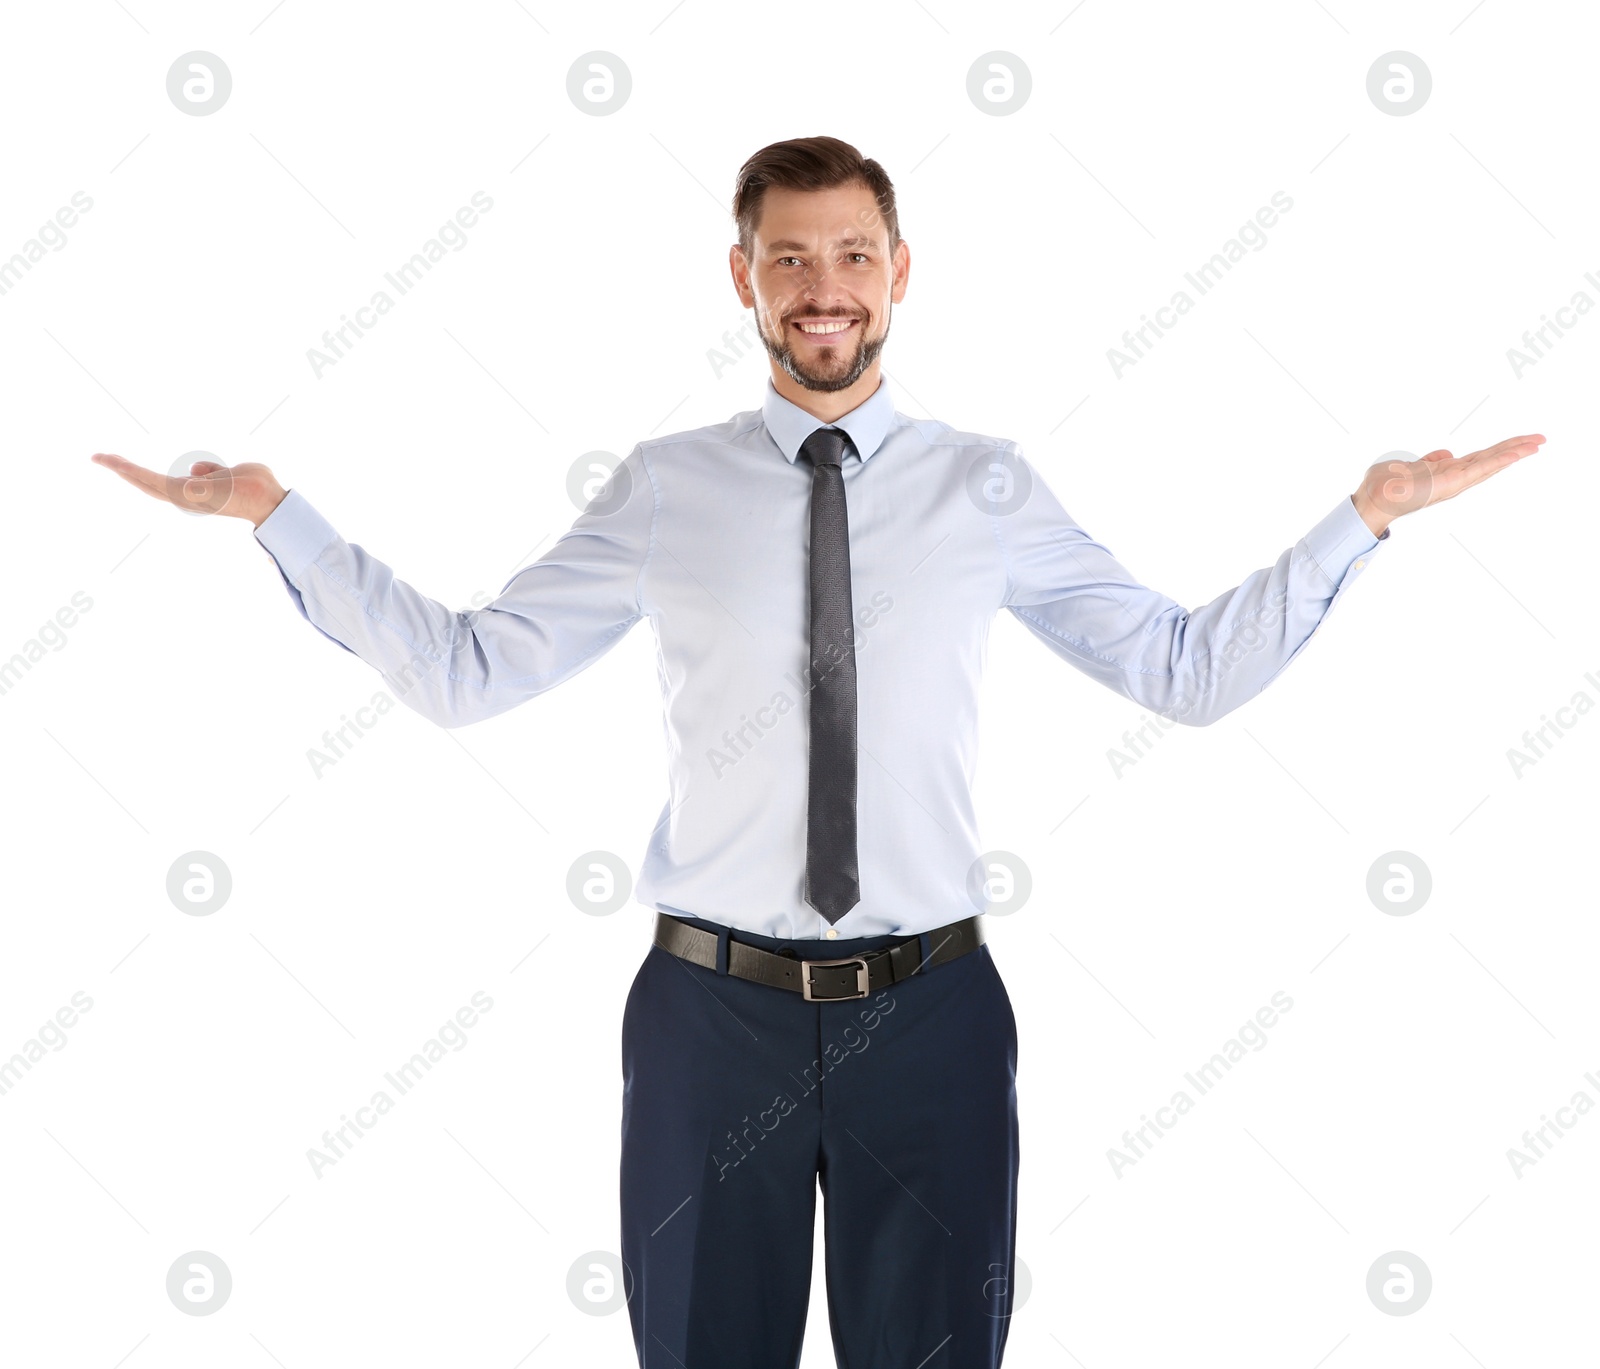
818, 1005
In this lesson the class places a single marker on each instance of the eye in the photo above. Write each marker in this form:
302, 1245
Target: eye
864, 257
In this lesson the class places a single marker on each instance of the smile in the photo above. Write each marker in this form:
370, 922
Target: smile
828, 329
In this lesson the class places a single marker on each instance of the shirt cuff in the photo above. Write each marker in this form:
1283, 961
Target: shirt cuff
1341, 544
295, 534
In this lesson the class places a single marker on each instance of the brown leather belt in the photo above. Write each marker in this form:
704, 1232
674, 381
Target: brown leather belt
821, 981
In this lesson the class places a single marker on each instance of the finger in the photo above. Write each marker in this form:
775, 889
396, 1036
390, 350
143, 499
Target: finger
1481, 465
1503, 453
152, 484
1440, 455
1529, 440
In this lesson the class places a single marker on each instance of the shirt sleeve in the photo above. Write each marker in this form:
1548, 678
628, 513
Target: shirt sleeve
1191, 665
550, 620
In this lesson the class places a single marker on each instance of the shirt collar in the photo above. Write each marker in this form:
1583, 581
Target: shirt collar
867, 424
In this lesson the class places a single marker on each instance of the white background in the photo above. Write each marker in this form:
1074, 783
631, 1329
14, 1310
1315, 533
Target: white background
1230, 863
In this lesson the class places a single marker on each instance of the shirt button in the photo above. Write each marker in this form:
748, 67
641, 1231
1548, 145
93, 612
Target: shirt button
1359, 564
833, 933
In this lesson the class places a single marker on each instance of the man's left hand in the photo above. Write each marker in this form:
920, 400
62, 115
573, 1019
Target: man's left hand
1393, 488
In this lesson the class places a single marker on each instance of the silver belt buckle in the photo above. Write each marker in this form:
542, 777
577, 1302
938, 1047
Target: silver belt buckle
862, 988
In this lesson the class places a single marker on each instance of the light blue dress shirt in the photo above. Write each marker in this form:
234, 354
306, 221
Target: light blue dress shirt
706, 532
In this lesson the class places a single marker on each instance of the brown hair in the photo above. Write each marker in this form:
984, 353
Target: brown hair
809, 164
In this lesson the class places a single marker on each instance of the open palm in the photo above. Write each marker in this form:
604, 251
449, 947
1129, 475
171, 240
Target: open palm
1392, 488
248, 490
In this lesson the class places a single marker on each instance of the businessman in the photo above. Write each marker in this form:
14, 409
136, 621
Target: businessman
818, 1007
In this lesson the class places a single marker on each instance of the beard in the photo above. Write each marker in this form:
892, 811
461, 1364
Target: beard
831, 371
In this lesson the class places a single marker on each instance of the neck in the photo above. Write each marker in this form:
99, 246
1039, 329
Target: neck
828, 405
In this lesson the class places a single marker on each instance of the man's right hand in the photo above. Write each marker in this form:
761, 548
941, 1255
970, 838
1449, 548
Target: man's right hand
247, 490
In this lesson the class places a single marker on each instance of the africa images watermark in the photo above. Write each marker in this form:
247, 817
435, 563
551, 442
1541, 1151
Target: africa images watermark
1538, 1142
1137, 1143
739, 742
743, 1145
50, 235
452, 1035
52, 1036
735, 345
1250, 633
52, 633
404, 278
1537, 743
1204, 278
338, 742
1537, 341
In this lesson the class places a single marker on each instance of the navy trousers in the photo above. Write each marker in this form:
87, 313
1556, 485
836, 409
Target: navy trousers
740, 1099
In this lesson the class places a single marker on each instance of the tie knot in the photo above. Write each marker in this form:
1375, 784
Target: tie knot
825, 447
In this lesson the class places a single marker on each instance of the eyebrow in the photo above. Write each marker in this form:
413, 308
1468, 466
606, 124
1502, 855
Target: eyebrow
790, 245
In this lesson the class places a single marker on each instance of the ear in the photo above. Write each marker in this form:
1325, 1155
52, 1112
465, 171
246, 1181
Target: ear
902, 271
739, 269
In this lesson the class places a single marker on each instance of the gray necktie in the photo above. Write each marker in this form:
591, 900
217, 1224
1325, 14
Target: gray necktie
832, 877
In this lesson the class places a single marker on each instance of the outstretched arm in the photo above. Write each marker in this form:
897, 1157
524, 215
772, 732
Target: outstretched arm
550, 620
1196, 666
